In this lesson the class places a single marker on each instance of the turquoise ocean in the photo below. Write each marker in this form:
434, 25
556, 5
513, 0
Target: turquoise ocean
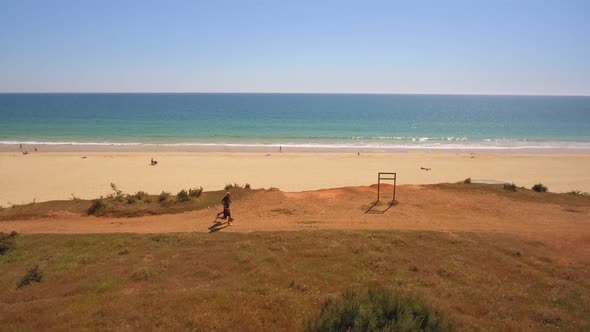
301, 120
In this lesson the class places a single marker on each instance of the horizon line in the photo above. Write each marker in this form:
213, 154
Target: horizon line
299, 93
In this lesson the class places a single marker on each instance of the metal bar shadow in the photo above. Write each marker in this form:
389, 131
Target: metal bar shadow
373, 210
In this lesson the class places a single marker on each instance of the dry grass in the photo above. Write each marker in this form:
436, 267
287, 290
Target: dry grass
278, 280
44, 209
141, 203
520, 194
135, 205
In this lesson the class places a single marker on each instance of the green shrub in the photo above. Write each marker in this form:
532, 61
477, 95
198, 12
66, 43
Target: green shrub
97, 207
163, 197
183, 196
141, 195
141, 274
195, 192
33, 275
509, 187
131, 199
233, 186
467, 181
540, 188
118, 192
7, 242
376, 310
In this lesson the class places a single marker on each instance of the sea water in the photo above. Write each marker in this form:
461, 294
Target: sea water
303, 120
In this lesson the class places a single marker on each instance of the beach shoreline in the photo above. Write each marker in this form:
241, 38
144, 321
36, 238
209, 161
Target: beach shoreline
28, 146
43, 176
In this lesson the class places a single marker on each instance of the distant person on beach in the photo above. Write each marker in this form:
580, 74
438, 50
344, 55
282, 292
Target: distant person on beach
226, 201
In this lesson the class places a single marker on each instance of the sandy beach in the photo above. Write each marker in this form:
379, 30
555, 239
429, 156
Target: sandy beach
46, 176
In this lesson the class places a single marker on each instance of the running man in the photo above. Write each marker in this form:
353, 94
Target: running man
226, 201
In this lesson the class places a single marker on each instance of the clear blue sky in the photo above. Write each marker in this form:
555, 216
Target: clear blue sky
495, 47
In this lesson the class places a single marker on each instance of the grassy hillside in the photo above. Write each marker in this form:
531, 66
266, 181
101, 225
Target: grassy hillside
277, 280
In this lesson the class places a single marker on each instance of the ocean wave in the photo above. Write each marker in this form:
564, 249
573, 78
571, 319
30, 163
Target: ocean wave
381, 138
417, 144
279, 140
68, 143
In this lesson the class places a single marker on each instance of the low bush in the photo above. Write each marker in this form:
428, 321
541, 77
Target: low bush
467, 181
131, 199
118, 193
195, 192
141, 274
233, 186
247, 186
376, 310
97, 207
509, 187
7, 242
163, 197
183, 196
540, 188
33, 275
141, 195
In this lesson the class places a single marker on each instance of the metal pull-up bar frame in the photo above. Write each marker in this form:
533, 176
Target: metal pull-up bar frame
386, 176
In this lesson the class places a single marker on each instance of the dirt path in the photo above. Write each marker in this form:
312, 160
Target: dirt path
419, 208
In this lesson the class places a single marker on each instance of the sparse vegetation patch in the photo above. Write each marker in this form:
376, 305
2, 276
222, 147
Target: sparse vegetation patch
141, 195
141, 274
164, 196
118, 193
183, 196
97, 207
131, 199
195, 192
510, 187
7, 242
376, 310
540, 188
34, 274
285, 277
127, 205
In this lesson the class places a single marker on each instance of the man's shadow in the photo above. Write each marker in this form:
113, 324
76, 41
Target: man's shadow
218, 224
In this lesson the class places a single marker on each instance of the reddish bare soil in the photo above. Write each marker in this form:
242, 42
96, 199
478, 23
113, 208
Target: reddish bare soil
446, 208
